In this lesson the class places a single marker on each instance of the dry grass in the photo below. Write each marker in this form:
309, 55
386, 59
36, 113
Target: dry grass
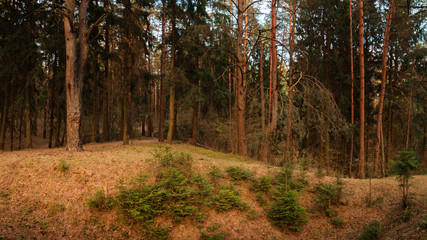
40, 200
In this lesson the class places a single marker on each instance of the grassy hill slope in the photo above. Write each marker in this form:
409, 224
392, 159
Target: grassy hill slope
44, 195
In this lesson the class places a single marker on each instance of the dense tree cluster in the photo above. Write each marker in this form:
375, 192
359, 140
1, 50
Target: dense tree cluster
342, 83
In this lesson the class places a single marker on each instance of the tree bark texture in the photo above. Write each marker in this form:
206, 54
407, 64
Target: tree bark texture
162, 74
361, 173
241, 132
350, 169
382, 94
75, 71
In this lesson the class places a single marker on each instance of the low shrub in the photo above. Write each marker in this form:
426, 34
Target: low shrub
371, 232
100, 202
327, 195
338, 222
286, 212
227, 198
237, 173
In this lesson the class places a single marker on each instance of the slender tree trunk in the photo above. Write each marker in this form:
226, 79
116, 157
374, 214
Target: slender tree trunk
408, 128
362, 95
125, 102
4, 117
241, 132
265, 146
58, 125
95, 114
143, 120
12, 121
383, 80
292, 21
390, 110
172, 84
105, 121
350, 171
21, 116
162, 74
261, 77
28, 137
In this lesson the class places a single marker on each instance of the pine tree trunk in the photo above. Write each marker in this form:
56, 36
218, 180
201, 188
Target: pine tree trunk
408, 128
193, 139
292, 21
362, 95
172, 84
125, 103
28, 137
265, 146
12, 120
382, 94
350, 171
21, 119
241, 92
143, 120
4, 117
74, 73
162, 74
58, 125
105, 120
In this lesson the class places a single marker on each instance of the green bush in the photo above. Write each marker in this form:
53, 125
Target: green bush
227, 198
327, 195
372, 232
237, 173
406, 215
99, 201
406, 162
263, 184
286, 212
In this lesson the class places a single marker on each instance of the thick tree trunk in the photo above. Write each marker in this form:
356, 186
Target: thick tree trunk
75, 71
382, 94
162, 74
350, 169
241, 92
362, 95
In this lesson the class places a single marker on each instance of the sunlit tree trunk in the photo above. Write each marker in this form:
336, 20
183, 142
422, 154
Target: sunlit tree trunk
362, 95
265, 146
382, 94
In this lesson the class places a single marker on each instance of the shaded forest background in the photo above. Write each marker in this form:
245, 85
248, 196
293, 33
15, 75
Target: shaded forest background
274, 80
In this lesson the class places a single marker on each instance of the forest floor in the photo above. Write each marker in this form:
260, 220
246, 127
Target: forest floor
44, 193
